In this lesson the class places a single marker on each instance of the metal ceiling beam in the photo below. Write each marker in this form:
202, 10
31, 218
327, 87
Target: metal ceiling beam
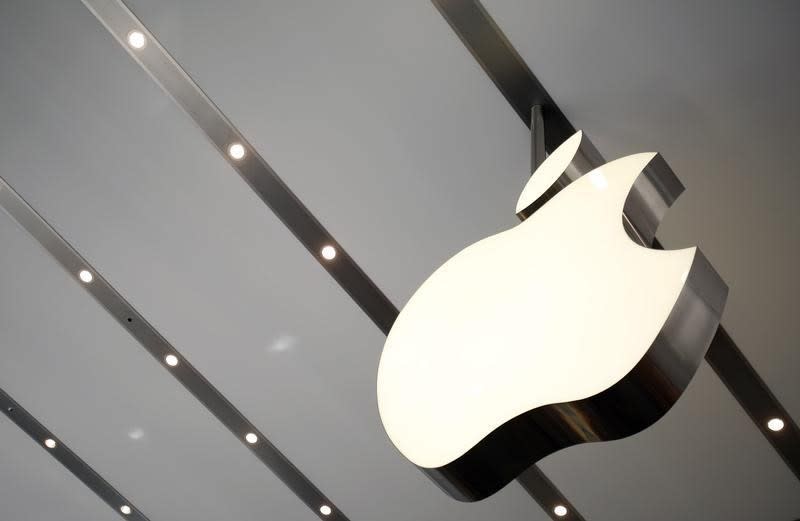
544, 492
506, 68
78, 467
158, 346
538, 152
119, 20
254, 170
755, 397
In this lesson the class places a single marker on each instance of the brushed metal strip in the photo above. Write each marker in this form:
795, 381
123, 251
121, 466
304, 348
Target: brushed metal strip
537, 138
490, 47
158, 346
504, 66
61, 452
254, 170
544, 492
742, 381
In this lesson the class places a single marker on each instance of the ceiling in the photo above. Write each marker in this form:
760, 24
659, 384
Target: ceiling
382, 123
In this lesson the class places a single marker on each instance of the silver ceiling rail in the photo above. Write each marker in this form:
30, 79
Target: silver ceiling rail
59, 450
243, 157
165, 353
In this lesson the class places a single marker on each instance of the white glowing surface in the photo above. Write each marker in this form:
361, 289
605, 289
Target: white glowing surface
559, 308
550, 170
329, 253
775, 424
136, 39
236, 151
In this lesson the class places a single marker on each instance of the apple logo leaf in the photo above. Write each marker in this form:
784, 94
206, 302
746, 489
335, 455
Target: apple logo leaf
548, 174
559, 331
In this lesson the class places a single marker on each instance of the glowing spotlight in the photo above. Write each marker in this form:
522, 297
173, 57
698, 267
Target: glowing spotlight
328, 252
775, 424
236, 151
137, 39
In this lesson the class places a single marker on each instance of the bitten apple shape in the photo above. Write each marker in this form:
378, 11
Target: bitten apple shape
559, 331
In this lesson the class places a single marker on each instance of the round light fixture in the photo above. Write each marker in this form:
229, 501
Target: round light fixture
86, 276
125, 509
50, 443
775, 424
251, 438
171, 360
236, 151
325, 510
328, 252
560, 510
137, 39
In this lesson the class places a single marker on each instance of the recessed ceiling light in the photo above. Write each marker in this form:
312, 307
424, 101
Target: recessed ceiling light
86, 276
125, 509
328, 252
775, 424
171, 360
236, 151
50, 443
325, 510
560, 510
137, 39
250, 437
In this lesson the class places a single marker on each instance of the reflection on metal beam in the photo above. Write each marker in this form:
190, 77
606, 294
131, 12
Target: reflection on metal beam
253, 169
757, 400
508, 71
158, 346
505, 66
79, 468
537, 138
547, 495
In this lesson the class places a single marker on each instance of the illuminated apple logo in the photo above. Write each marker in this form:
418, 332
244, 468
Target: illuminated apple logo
559, 331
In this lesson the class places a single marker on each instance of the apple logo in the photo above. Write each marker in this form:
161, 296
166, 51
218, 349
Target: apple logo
559, 331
